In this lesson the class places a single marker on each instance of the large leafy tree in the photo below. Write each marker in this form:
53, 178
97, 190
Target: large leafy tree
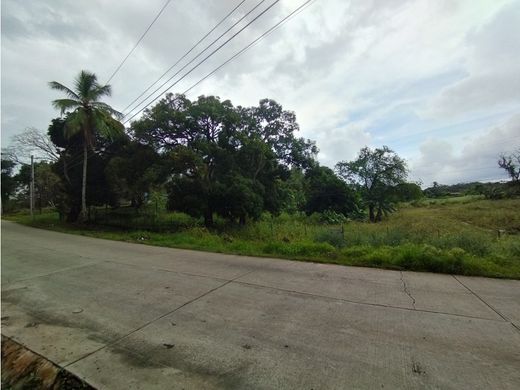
87, 117
224, 159
325, 191
47, 184
376, 172
134, 172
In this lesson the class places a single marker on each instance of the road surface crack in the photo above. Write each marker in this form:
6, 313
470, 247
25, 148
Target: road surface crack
406, 291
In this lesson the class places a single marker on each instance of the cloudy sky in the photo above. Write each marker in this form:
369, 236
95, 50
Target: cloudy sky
436, 80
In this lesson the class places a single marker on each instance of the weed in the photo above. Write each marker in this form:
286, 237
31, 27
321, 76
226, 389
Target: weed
456, 236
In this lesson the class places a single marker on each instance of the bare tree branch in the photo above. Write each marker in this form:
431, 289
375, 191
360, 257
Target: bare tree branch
32, 141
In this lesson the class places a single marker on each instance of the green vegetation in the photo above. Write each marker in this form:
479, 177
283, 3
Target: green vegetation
87, 116
458, 237
205, 174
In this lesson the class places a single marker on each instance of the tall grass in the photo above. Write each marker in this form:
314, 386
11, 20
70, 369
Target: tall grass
454, 237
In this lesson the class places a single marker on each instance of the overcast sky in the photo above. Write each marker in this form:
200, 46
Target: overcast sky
438, 81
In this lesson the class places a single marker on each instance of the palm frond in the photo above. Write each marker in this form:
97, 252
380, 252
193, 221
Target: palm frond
65, 104
107, 126
75, 123
105, 107
60, 87
85, 83
101, 90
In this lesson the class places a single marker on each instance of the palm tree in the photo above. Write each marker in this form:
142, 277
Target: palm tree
87, 116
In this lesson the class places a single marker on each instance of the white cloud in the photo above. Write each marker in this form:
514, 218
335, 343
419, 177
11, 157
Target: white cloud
492, 67
470, 159
351, 70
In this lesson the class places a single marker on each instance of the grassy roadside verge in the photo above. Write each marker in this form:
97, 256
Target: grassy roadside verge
453, 238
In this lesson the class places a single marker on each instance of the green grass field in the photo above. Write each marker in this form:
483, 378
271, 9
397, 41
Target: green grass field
466, 235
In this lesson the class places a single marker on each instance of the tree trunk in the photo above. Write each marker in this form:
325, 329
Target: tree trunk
83, 212
242, 220
371, 213
379, 215
73, 214
208, 218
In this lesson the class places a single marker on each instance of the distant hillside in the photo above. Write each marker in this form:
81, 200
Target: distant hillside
490, 190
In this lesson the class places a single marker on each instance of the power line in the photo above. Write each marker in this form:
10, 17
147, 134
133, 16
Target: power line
139, 40
189, 51
254, 42
196, 66
197, 56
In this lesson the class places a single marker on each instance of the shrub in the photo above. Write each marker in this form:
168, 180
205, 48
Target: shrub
474, 243
333, 237
332, 217
299, 249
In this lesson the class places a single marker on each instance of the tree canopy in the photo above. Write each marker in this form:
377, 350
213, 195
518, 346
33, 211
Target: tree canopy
204, 157
511, 164
224, 159
87, 116
375, 172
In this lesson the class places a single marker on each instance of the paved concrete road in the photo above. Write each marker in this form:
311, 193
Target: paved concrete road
127, 316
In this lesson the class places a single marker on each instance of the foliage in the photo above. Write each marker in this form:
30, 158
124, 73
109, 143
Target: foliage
328, 193
224, 160
8, 181
87, 116
188, 171
376, 173
491, 190
334, 237
511, 164
47, 185
134, 172
407, 192
452, 237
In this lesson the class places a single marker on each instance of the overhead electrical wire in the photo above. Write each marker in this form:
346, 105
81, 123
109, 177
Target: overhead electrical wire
139, 40
187, 53
254, 42
197, 65
197, 56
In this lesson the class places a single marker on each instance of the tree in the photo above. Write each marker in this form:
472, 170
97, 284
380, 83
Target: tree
32, 142
375, 172
134, 172
407, 192
225, 160
87, 116
325, 191
511, 163
293, 191
47, 185
8, 181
